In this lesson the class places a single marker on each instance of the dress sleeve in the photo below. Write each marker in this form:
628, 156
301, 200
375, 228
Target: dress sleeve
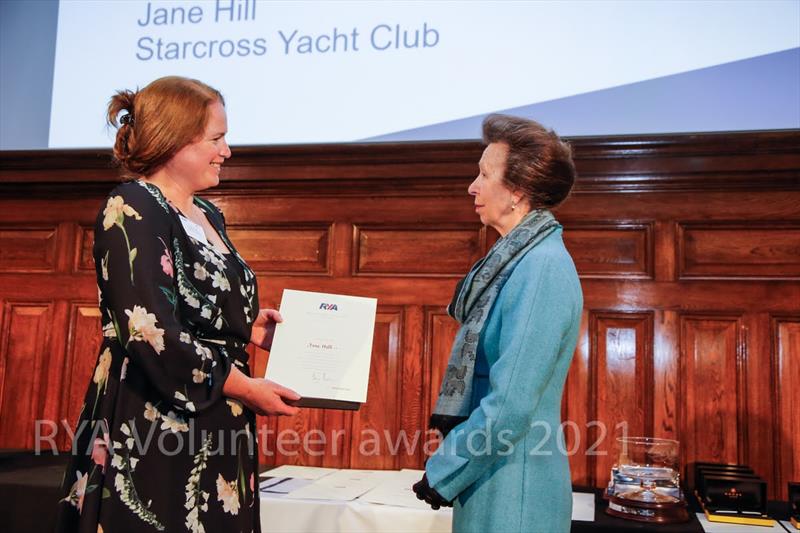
535, 321
139, 297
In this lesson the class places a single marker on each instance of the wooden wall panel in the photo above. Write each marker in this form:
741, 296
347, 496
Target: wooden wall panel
757, 406
416, 251
27, 249
623, 362
439, 334
579, 407
84, 259
611, 250
711, 389
786, 391
686, 246
376, 425
412, 386
291, 250
730, 250
23, 348
666, 374
315, 437
83, 347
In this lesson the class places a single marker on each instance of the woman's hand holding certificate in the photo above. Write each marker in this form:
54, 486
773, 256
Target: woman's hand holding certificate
260, 395
268, 397
264, 328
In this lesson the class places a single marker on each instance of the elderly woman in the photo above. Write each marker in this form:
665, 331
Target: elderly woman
166, 437
501, 464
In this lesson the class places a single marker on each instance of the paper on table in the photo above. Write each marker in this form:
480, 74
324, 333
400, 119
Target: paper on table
583, 506
343, 485
283, 485
723, 527
323, 347
396, 490
269, 482
299, 471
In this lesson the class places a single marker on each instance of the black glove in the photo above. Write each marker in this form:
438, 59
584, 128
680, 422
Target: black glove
425, 492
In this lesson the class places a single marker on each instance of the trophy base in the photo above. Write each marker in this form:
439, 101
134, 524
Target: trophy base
654, 513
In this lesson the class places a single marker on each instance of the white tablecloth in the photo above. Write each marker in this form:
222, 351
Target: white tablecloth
283, 515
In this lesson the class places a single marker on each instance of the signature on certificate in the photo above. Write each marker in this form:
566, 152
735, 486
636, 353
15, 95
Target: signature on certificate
319, 376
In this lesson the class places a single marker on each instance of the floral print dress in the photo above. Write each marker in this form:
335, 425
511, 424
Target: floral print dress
158, 447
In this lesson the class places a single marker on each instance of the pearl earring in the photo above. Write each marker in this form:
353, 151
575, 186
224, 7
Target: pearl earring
513, 206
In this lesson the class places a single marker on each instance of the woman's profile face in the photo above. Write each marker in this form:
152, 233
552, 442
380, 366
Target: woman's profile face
493, 199
197, 165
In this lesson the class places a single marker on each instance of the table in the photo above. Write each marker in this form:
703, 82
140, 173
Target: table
284, 515
281, 513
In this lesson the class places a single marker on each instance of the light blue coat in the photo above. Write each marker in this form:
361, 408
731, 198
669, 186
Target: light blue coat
505, 466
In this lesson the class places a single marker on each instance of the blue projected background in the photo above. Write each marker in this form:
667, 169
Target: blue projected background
311, 72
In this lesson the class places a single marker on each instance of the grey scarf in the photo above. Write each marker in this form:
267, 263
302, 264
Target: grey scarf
472, 301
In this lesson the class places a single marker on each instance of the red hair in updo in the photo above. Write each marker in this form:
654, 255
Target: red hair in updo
154, 123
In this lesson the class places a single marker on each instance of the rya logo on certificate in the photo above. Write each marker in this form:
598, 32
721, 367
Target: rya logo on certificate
328, 307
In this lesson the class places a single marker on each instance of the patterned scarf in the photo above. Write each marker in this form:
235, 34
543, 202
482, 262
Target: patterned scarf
472, 301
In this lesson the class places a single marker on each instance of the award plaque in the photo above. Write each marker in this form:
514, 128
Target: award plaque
645, 484
741, 493
731, 493
721, 468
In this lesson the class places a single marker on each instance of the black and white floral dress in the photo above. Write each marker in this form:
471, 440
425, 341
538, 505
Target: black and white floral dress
158, 447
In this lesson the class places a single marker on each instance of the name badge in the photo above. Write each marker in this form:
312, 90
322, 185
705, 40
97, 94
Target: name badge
193, 230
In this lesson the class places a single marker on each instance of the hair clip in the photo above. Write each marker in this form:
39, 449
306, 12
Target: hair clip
126, 119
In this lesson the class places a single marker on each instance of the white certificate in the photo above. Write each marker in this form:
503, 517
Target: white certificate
323, 347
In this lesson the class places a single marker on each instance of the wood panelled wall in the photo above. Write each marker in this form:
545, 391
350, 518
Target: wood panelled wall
688, 249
